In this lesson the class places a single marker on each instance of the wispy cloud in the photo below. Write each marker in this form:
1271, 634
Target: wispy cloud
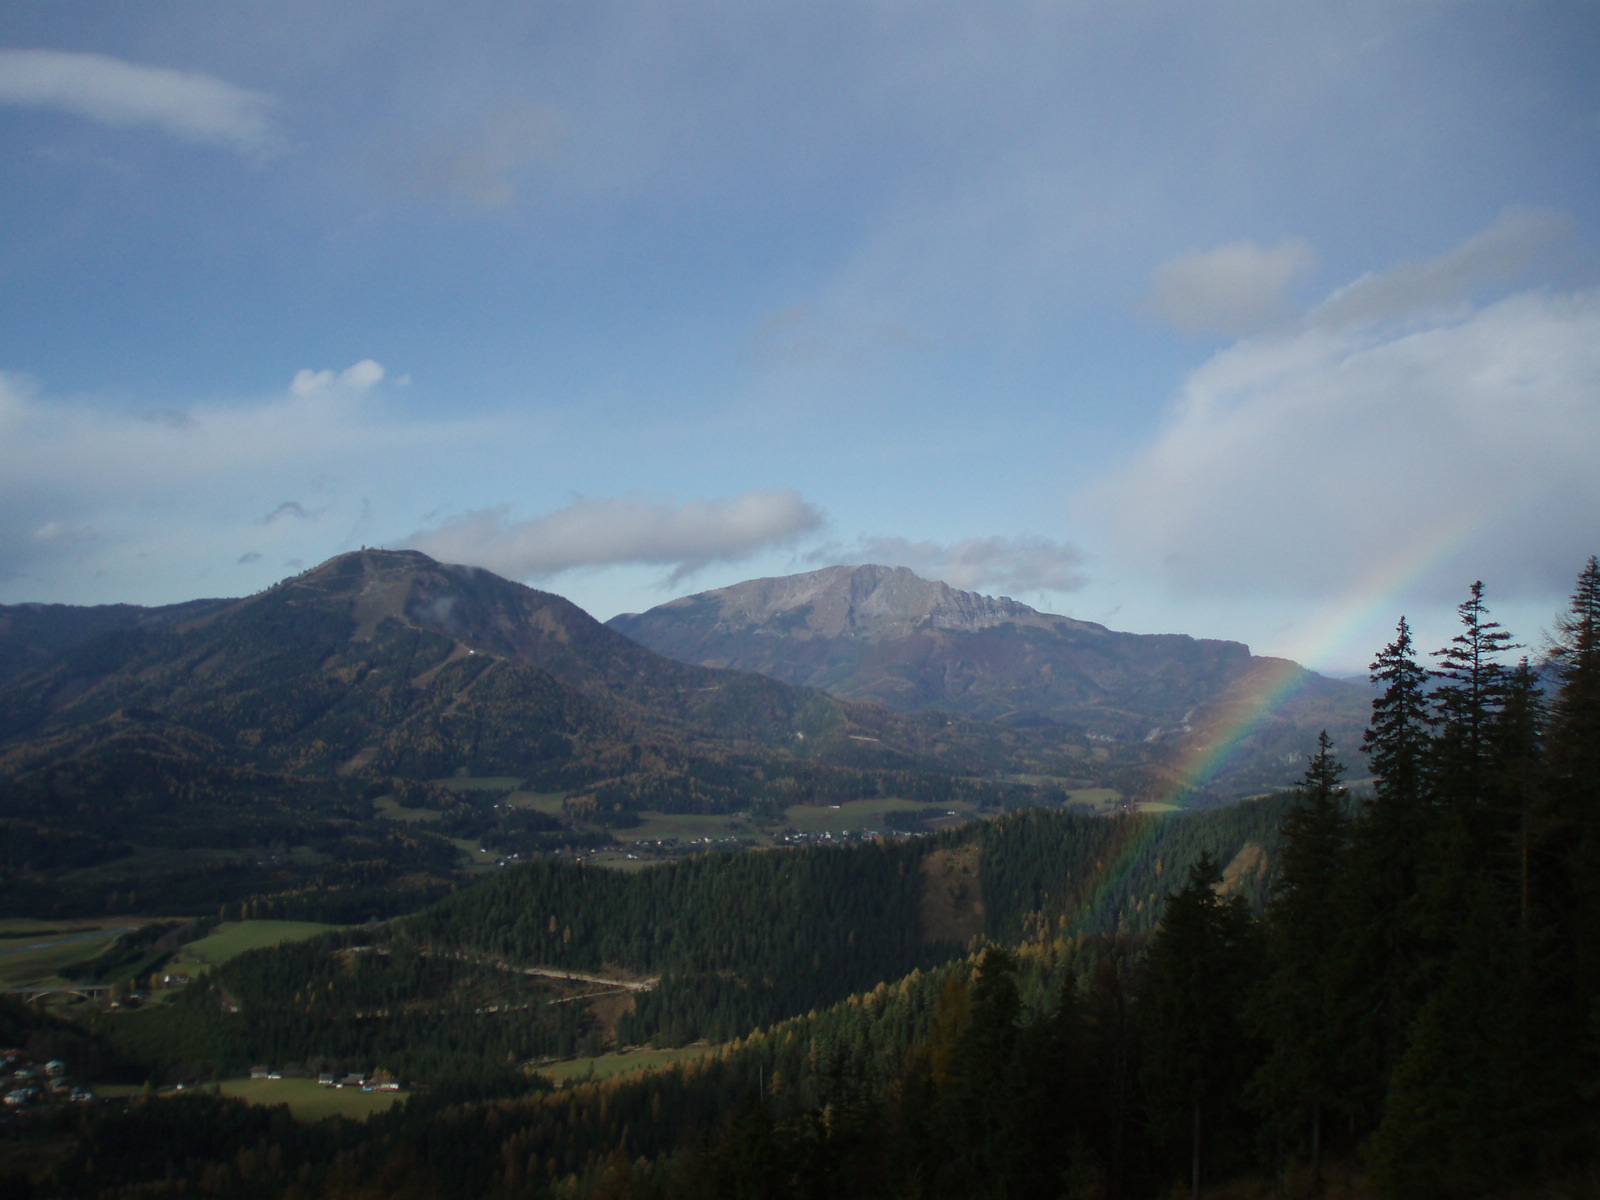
1233, 289
479, 162
289, 508
991, 564
1518, 240
187, 104
624, 529
153, 482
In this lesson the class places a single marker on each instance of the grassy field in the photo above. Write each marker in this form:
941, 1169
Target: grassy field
480, 783
389, 807
308, 1100
33, 959
1097, 798
235, 937
686, 827
477, 856
39, 930
545, 802
618, 860
855, 815
608, 1066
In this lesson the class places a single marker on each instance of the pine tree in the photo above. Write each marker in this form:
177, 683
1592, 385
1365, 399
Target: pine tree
1468, 696
1203, 964
1519, 808
1573, 748
1397, 739
1472, 843
1303, 1009
1388, 849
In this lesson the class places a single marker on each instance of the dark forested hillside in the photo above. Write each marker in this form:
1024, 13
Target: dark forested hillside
705, 949
1388, 994
223, 728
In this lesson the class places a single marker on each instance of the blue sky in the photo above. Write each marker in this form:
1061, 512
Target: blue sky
1269, 322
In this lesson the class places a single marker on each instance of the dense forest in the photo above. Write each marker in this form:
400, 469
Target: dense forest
725, 943
1407, 1003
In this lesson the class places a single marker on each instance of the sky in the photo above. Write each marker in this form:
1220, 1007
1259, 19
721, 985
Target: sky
1270, 322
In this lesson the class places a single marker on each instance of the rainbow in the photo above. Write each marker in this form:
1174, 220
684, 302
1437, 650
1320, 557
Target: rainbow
1267, 689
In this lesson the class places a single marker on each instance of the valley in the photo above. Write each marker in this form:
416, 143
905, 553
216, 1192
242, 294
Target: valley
565, 916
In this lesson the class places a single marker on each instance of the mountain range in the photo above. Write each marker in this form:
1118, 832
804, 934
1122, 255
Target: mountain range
885, 635
161, 747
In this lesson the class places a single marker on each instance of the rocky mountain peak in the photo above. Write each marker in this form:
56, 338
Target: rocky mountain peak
867, 602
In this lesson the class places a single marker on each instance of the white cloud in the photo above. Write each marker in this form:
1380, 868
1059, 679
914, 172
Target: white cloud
625, 529
77, 477
991, 564
358, 378
1235, 289
187, 104
1400, 427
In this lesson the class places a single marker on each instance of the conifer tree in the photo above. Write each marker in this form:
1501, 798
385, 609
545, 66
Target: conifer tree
1303, 1007
1573, 748
1469, 694
1387, 854
1203, 963
1518, 807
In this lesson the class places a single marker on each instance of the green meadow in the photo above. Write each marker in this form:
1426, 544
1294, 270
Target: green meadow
609, 1066
235, 937
308, 1100
852, 816
480, 783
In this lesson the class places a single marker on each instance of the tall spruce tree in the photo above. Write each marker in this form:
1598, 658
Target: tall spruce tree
1303, 1010
1573, 785
1469, 692
1571, 844
1470, 844
1519, 809
1389, 843
1203, 963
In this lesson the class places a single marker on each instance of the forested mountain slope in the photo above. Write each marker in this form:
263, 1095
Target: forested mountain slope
278, 721
708, 948
910, 644
1409, 1015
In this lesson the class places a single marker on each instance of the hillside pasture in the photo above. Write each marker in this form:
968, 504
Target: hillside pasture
549, 803
36, 959
623, 1062
480, 783
235, 937
1099, 799
389, 808
309, 1100
853, 816
685, 827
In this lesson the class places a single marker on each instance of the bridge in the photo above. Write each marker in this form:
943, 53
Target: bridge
87, 991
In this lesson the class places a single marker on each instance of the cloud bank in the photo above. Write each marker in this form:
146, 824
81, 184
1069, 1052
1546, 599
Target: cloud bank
618, 530
1399, 424
82, 482
186, 104
991, 564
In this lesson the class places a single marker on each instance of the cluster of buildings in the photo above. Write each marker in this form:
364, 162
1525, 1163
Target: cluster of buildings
26, 1084
379, 1083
